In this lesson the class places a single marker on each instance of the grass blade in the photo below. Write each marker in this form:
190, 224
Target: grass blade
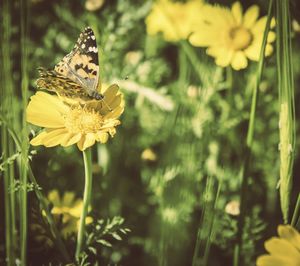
286, 103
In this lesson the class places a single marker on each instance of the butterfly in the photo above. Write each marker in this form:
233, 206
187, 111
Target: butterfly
76, 76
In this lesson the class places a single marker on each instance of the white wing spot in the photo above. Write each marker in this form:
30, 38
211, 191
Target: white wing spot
93, 37
91, 49
83, 46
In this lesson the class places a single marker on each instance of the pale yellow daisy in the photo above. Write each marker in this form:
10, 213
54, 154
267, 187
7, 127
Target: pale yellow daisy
230, 36
70, 123
69, 208
174, 20
284, 250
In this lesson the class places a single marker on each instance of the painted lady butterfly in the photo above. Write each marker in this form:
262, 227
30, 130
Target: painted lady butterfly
76, 76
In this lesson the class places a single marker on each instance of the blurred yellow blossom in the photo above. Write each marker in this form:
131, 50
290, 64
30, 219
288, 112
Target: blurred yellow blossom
66, 124
133, 57
284, 250
93, 5
295, 26
69, 208
149, 155
175, 20
231, 36
193, 91
233, 208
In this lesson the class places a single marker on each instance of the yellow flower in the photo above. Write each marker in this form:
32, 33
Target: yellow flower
66, 124
173, 19
69, 208
231, 36
93, 5
148, 155
233, 208
284, 250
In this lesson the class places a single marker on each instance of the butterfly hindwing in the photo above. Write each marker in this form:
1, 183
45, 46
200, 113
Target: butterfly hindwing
81, 65
62, 85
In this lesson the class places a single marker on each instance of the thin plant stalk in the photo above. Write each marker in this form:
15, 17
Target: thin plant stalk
211, 226
87, 159
7, 209
296, 215
249, 142
6, 143
207, 221
42, 199
25, 143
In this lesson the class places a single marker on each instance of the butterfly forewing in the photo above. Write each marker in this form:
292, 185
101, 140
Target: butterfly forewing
81, 65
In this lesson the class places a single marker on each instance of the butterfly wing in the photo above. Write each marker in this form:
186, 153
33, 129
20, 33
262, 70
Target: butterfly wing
62, 85
81, 65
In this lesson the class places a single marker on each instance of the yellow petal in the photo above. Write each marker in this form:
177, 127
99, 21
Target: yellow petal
223, 56
86, 141
239, 61
253, 51
102, 137
70, 139
38, 140
237, 12
54, 197
76, 209
288, 233
109, 124
68, 198
269, 50
54, 137
45, 110
114, 113
111, 92
251, 16
267, 260
271, 36
205, 36
259, 26
282, 248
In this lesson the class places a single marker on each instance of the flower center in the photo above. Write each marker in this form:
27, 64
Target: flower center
83, 120
240, 38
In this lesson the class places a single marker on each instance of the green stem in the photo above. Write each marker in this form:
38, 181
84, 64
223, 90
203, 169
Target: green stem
25, 143
249, 142
8, 235
11, 169
87, 158
5, 108
197, 65
296, 214
42, 199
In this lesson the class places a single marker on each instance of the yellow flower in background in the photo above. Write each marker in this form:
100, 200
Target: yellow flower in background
149, 155
231, 36
174, 20
66, 124
93, 5
233, 208
284, 250
69, 208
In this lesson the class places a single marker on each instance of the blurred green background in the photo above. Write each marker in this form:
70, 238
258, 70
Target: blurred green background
174, 164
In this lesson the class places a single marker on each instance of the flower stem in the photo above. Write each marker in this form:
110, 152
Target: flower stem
24, 10
87, 158
249, 142
296, 215
42, 199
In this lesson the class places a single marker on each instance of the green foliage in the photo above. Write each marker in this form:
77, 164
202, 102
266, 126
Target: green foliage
193, 116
